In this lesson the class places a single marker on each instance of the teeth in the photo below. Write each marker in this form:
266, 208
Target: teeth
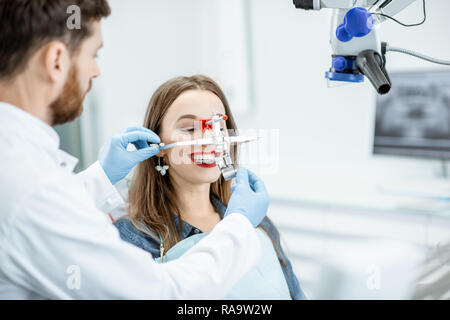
205, 158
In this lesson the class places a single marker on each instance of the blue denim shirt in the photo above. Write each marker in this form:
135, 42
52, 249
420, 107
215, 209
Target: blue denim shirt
131, 234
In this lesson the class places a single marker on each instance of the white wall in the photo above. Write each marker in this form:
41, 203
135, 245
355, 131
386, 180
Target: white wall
325, 133
145, 43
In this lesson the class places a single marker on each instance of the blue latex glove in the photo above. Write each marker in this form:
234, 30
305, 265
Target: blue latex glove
117, 161
249, 197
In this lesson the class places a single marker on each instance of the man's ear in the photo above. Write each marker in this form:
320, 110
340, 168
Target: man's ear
57, 61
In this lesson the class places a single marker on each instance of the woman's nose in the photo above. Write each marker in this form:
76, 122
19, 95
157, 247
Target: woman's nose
208, 133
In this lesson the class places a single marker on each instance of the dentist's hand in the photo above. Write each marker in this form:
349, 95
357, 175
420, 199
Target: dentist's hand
249, 197
117, 161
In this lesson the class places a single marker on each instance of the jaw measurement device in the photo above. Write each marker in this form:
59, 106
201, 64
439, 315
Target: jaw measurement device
207, 141
219, 140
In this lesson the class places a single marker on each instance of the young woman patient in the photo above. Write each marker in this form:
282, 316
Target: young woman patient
178, 196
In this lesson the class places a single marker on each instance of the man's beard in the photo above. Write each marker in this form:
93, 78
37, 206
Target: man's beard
69, 105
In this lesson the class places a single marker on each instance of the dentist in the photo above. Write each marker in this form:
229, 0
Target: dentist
56, 242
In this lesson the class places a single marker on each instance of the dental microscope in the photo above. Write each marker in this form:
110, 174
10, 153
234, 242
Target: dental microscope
357, 49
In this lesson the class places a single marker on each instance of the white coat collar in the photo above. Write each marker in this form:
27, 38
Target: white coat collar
39, 132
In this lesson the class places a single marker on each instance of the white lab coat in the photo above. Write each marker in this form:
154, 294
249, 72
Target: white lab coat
56, 243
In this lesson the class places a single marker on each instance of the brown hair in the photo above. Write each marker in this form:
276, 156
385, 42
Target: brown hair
152, 198
27, 25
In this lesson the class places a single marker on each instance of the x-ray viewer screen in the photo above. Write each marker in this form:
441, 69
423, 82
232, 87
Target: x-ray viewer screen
413, 119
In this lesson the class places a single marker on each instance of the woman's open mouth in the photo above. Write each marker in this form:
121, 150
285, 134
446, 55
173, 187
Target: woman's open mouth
204, 159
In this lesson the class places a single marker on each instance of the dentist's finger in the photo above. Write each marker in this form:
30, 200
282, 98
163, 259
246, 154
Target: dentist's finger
256, 183
146, 153
135, 136
242, 177
138, 144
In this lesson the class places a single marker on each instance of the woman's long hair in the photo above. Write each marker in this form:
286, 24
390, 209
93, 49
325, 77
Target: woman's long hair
152, 198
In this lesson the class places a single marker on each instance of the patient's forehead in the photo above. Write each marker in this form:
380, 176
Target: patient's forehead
200, 103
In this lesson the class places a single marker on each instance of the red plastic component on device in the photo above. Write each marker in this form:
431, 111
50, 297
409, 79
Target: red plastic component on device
206, 126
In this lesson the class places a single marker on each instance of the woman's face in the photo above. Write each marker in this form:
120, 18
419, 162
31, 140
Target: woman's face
191, 164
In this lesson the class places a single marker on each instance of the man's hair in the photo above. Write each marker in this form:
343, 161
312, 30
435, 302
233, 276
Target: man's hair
27, 25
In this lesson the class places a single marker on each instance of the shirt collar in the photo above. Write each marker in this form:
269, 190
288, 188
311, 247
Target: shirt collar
37, 131
188, 229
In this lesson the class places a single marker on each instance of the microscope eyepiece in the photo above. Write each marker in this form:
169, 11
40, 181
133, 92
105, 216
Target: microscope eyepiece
304, 4
371, 64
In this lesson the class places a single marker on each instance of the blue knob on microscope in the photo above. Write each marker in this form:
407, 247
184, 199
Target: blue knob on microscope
358, 22
339, 64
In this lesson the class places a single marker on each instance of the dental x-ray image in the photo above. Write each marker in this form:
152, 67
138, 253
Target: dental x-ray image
414, 118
